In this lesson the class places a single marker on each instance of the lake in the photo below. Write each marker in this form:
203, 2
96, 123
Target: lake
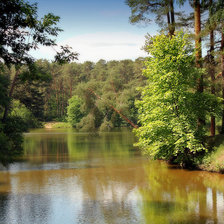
73, 177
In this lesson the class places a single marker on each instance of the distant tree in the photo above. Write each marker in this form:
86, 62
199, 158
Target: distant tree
109, 93
21, 111
74, 112
31, 87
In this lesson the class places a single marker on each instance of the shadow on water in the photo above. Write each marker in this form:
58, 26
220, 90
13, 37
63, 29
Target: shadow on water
164, 212
163, 207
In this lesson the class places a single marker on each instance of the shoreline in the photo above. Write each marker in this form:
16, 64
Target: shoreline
213, 161
56, 124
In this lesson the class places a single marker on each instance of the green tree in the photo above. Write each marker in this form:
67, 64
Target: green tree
20, 110
141, 10
32, 86
74, 112
170, 106
21, 31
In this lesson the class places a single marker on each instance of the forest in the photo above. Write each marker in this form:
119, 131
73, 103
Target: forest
88, 95
173, 99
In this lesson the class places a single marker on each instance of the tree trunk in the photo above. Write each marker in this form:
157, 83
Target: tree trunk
211, 69
197, 23
57, 102
168, 19
198, 53
222, 72
5, 115
172, 27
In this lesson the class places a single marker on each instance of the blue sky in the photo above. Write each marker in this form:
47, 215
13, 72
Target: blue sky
96, 29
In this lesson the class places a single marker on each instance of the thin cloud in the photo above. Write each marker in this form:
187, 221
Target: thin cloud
96, 46
112, 44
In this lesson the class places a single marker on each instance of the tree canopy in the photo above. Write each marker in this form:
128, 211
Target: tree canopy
170, 105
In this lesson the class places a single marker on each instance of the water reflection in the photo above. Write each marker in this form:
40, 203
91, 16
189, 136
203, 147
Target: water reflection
44, 146
74, 178
181, 196
70, 177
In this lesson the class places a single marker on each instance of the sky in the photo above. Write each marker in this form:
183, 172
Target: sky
96, 29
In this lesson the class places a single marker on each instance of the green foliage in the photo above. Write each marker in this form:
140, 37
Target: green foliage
20, 110
106, 125
11, 138
22, 30
46, 90
4, 99
87, 123
73, 111
170, 106
32, 85
61, 125
110, 87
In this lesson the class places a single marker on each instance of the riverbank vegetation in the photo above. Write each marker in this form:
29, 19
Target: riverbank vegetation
183, 87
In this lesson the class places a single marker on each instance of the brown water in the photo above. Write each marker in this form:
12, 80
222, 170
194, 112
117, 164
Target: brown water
68, 177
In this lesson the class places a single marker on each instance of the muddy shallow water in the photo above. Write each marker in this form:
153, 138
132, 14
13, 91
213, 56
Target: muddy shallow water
70, 177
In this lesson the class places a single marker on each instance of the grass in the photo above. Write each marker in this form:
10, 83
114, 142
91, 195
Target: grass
214, 161
62, 125
57, 125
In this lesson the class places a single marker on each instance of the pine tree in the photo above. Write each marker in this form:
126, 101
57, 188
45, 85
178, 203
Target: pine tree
163, 9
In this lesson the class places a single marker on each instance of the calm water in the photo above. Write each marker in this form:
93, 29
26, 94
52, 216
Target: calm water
68, 177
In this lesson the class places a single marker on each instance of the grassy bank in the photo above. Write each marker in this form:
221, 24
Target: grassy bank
214, 161
52, 124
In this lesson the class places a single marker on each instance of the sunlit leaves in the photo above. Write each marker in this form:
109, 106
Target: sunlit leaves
170, 105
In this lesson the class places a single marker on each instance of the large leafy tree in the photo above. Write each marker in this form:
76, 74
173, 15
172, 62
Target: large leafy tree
170, 103
21, 30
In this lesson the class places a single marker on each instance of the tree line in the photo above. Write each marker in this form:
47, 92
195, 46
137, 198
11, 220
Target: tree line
88, 95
